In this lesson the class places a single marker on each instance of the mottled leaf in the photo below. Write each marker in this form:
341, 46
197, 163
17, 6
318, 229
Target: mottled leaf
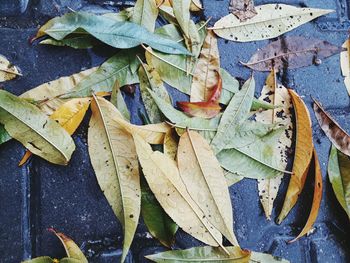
243, 9
345, 64
272, 20
145, 14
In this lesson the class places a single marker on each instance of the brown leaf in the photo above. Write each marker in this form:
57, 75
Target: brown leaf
291, 52
302, 156
243, 9
316, 202
332, 129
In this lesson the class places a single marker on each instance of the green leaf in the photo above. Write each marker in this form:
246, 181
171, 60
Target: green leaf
44, 259
339, 176
39, 134
4, 136
114, 33
118, 67
76, 41
235, 114
208, 254
181, 10
118, 101
70, 260
145, 14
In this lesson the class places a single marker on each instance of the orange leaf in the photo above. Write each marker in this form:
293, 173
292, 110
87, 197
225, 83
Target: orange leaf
302, 156
25, 158
316, 202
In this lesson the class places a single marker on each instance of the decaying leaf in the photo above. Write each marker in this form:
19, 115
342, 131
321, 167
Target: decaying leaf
181, 10
291, 52
113, 157
39, 134
243, 9
170, 144
234, 115
163, 178
72, 249
145, 13
276, 94
272, 20
7, 70
316, 202
205, 75
339, 137
204, 178
209, 254
339, 176
302, 155
345, 64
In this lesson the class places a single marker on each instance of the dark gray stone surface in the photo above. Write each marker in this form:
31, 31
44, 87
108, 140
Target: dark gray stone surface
42, 195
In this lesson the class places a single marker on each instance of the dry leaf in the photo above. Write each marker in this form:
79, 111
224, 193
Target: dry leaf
145, 13
243, 9
170, 144
7, 70
316, 202
271, 21
277, 95
345, 64
205, 75
291, 52
196, 6
163, 178
113, 157
181, 10
203, 176
339, 137
302, 155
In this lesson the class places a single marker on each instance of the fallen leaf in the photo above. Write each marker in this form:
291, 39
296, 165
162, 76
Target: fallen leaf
4, 136
170, 144
272, 20
114, 33
345, 64
194, 44
196, 6
291, 52
44, 259
74, 41
339, 176
234, 115
276, 94
72, 249
7, 70
316, 202
118, 101
145, 13
163, 178
201, 172
181, 10
39, 134
232, 178
243, 9
208, 254
113, 157
339, 137
205, 75
302, 155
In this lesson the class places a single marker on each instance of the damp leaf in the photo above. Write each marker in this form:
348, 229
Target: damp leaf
316, 201
271, 20
338, 136
113, 157
277, 95
243, 9
291, 52
302, 156
345, 64
8, 71
117, 34
202, 174
339, 176
145, 13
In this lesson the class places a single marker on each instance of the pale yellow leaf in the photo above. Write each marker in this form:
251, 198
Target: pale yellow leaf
196, 6
345, 64
7, 70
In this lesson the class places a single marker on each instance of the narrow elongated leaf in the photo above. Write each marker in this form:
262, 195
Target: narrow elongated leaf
201, 172
165, 182
339, 176
114, 33
345, 64
291, 52
302, 155
44, 259
118, 101
196, 6
208, 254
170, 145
71, 248
243, 9
276, 94
145, 14
113, 157
182, 13
339, 137
8, 71
316, 201
76, 41
234, 115
4, 136
39, 134
271, 21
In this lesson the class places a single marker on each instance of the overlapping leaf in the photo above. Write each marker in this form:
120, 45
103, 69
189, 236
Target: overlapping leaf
145, 14
8, 71
243, 9
345, 64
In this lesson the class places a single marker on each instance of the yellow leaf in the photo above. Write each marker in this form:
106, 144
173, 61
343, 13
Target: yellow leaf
196, 6
170, 144
7, 70
165, 182
345, 64
204, 178
113, 157
302, 156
